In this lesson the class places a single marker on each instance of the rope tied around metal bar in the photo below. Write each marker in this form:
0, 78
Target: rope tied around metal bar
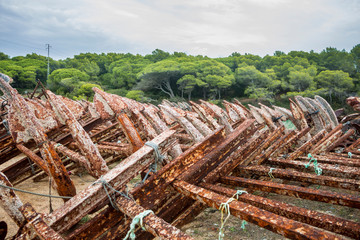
350, 154
106, 185
243, 223
318, 170
158, 156
225, 209
137, 220
33, 193
270, 172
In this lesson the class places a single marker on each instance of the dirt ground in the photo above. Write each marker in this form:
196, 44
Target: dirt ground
204, 227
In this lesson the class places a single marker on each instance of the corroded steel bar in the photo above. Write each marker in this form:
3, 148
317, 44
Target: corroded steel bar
306, 146
232, 113
266, 154
332, 132
76, 157
294, 175
314, 218
295, 191
130, 131
278, 224
328, 142
206, 117
202, 127
157, 226
247, 111
212, 160
264, 116
186, 124
284, 148
122, 150
94, 195
10, 202
351, 162
341, 140
327, 169
153, 190
218, 112
159, 126
34, 157
236, 157
94, 162
37, 223
146, 125
267, 142
298, 114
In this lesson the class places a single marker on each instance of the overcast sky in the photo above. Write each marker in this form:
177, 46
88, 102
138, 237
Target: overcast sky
215, 28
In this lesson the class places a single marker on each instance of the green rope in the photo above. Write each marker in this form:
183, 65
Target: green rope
243, 223
137, 220
318, 170
270, 172
225, 209
159, 157
349, 154
38, 194
106, 185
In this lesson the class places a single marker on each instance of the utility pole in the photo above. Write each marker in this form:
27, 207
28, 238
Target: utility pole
48, 61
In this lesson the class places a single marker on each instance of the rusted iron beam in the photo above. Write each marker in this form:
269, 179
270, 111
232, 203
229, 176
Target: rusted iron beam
93, 196
284, 148
122, 150
93, 161
186, 124
331, 133
10, 202
232, 113
272, 137
37, 223
295, 191
294, 175
262, 117
154, 190
351, 162
237, 157
327, 143
219, 113
204, 116
157, 226
327, 169
130, 131
266, 154
306, 146
311, 217
34, 157
298, 115
341, 140
211, 161
278, 224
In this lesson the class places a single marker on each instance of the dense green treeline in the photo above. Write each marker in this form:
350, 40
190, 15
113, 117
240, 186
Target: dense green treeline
331, 73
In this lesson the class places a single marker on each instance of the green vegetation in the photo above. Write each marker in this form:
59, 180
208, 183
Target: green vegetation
332, 73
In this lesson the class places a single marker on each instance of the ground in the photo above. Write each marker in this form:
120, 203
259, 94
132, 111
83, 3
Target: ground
204, 227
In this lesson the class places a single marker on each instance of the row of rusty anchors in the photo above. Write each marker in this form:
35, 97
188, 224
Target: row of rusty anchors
24, 126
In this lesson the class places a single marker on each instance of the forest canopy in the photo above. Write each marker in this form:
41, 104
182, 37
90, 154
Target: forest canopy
331, 73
